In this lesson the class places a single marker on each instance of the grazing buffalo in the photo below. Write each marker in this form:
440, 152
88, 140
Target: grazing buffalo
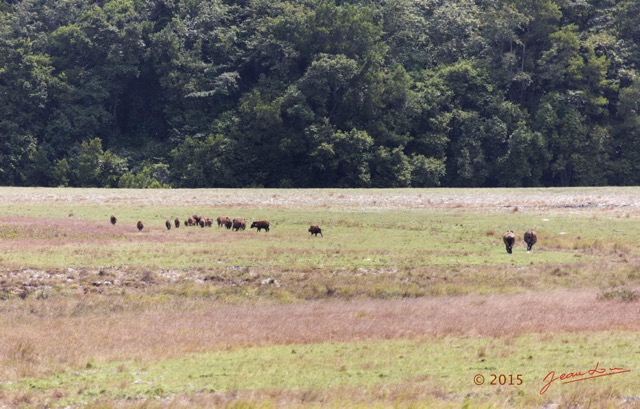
509, 240
238, 224
190, 222
315, 230
224, 221
168, 224
140, 225
113, 219
530, 237
208, 222
260, 224
197, 219
177, 222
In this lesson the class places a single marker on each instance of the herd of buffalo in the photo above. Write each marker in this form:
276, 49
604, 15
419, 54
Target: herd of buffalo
236, 224
509, 238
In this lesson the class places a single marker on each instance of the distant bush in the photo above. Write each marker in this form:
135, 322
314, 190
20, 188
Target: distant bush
621, 294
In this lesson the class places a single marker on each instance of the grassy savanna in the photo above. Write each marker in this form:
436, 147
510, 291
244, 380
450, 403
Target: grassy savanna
409, 294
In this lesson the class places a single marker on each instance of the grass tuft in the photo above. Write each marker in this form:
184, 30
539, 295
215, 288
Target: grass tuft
619, 294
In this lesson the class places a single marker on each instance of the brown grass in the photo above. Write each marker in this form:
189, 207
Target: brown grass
624, 200
43, 336
385, 396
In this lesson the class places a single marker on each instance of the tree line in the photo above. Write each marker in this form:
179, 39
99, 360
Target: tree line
319, 93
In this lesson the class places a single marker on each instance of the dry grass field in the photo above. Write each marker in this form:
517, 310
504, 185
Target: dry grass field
409, 295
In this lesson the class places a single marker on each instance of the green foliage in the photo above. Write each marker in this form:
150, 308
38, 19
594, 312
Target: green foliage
149, 176
340, 158
524, 161
445, 92
91, 166
202, 163
391, 168
426, 172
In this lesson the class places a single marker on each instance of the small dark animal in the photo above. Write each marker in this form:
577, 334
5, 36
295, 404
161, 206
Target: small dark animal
509, 240
260, 224
197, 219
315, 230
113, 219
177, 222
208, 222
530, 237
168, 224
238, 224
140, 225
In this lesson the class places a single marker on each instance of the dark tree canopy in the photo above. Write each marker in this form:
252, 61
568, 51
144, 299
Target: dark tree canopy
319, 93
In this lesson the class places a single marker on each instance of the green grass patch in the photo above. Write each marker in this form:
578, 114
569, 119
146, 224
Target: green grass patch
434, 365
413, 251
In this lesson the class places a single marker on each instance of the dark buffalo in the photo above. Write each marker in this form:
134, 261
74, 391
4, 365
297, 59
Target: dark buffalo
139, 225
190, 222
208, 222
509, 240
177, 222
224, 221
315, 230
197, 219
168, 224
113, 219
260, 224
530, 237
238, 224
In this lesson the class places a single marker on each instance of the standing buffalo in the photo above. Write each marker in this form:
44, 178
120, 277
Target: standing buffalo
530, 237
260, 224
168, 224
177, 222
224, 221
190, 222
509, 239
239, 224
315, 230
139, 225
113, 219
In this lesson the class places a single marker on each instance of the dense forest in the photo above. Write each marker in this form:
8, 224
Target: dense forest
319, 93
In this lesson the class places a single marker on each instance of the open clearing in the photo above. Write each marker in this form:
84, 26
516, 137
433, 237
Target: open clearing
406, 298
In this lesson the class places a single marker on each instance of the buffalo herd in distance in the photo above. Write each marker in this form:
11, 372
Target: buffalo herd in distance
236, 224
509, 239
